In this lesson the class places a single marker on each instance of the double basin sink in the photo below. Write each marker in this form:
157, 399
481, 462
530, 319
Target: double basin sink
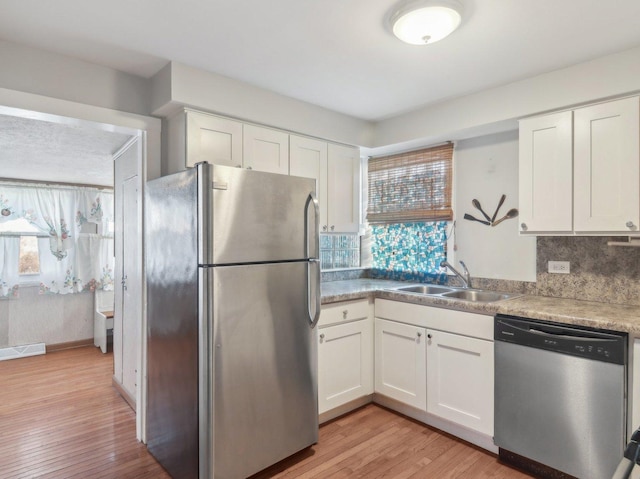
473, 295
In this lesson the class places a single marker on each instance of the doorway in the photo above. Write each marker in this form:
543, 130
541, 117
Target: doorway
145, 151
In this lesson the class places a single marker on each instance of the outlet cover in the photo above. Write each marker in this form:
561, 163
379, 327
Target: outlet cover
559, 267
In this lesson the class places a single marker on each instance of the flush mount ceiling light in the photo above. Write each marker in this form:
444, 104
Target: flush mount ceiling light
420, 22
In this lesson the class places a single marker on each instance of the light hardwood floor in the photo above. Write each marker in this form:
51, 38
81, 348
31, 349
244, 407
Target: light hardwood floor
60, 418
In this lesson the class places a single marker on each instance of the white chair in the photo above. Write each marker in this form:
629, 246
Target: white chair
103, 318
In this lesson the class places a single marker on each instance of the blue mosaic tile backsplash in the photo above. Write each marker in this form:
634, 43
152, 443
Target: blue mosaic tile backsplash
409, 251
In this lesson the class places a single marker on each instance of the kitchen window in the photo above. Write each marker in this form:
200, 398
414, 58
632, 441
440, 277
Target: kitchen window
409, 204
412, 186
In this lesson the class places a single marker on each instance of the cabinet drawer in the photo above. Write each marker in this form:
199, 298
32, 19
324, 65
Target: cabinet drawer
344, 311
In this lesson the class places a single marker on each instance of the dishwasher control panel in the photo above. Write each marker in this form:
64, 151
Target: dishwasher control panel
607, 346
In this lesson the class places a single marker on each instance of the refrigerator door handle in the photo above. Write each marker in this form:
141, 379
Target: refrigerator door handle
313, 290
312, 200
313, 287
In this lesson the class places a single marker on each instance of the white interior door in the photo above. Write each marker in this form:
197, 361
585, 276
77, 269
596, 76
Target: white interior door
131, 288
128, 261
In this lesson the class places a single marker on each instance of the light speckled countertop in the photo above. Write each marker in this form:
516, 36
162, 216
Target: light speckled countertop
614, 317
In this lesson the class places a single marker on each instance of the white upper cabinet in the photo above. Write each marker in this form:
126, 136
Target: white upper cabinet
308, 158
194, 137
266, 149
343, 189
607, 167
336, 169
213, 139
546, 173
580, 170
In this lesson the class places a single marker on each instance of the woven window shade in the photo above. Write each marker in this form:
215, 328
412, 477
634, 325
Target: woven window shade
412, 186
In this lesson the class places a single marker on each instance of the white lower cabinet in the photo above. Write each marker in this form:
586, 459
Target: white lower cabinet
345, 354
401, 362
460, 379
345, 363
440, 363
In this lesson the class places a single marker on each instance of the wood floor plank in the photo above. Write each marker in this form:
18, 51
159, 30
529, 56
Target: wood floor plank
60, 418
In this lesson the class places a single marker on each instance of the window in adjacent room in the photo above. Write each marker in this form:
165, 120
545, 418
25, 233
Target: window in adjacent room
28, 251
409, 204
29, 258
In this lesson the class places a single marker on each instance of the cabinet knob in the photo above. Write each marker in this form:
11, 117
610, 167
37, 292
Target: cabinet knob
523, 226
324, 228
332, 227
429, 336
345, 314
630, 225
249, 168
419, 334
321, 336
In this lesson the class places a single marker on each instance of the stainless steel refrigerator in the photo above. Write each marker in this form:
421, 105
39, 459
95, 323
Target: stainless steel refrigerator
233, 297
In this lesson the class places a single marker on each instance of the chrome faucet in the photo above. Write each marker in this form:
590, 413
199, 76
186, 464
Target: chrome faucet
465, 277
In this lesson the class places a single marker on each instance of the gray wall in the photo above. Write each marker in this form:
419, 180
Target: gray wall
48, 318
53, 75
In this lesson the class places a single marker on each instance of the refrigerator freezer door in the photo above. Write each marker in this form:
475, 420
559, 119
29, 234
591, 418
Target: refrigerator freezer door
265, 387
259, 217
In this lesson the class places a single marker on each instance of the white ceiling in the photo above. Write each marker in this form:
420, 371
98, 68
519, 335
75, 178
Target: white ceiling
32, 149
334, 53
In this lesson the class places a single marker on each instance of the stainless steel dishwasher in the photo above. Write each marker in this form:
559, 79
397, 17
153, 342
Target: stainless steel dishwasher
560, 395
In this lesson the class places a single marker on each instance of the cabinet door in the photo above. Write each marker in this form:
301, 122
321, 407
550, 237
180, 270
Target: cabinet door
308, 158
545, 186
213, 139
343, 189
266, 149
345, 363
607, 167
460, 380
401, 362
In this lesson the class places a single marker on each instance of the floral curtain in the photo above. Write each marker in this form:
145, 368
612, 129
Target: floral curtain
74, 226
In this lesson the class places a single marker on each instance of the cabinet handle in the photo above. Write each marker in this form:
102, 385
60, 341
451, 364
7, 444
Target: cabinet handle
523, 226
345, 313
324, 228
630, 225
429, 336
249, 168
332, 227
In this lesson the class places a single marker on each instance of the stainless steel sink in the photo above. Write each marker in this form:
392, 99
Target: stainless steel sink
478, 296
473, 295
425, 289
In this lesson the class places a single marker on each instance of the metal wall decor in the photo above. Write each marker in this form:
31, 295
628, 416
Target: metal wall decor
491, 221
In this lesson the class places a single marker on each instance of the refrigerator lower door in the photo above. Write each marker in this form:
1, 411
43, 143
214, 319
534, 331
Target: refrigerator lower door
265, 387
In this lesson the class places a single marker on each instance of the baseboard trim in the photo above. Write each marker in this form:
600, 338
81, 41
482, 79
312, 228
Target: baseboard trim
474, 437
131, 401
81, 343
344, 408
